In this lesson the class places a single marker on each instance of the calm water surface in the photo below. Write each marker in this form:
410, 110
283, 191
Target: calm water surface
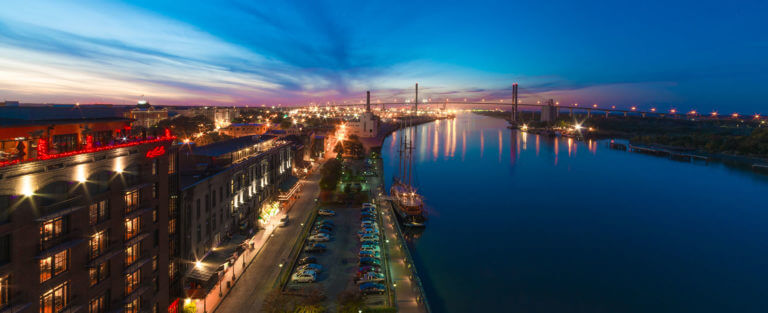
521, 223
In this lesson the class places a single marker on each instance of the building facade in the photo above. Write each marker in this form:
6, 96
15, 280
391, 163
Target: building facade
244, 129
86, 229
227, 189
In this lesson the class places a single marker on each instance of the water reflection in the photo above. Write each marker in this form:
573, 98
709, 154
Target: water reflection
602, 231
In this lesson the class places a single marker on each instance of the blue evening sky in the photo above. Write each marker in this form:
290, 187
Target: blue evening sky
702, 55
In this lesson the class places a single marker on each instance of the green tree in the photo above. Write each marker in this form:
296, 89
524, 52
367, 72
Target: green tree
350, 301
330, 174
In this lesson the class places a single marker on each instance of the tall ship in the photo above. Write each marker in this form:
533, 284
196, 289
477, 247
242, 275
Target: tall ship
409, 204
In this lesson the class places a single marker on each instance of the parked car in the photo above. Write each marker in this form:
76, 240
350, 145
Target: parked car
368, 254
370, 248
314, 247
368, 211
368, 268
283, 222
368, 237
369, 261
370, 242
370, 277
304, 277
311, 267
368, 205
321, 232
325, 227
307, 260
372, 288
326, 212
319, 237
326, 222
367, 216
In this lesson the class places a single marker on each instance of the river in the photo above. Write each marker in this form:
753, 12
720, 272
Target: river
522, 223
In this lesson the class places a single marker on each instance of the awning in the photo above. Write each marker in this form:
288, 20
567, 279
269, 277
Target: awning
211, 263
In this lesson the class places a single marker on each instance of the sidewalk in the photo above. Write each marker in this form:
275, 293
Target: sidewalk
247, 294
407, 294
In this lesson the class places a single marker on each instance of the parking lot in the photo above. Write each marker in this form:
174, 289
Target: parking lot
340, 260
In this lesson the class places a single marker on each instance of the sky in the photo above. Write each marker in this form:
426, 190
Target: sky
701, 55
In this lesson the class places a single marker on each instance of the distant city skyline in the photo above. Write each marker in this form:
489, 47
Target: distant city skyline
702, 55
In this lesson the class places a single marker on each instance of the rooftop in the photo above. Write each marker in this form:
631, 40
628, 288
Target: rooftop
232, 145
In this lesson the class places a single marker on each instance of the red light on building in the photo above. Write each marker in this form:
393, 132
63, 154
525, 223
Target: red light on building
42, 147
156, 152
89, 142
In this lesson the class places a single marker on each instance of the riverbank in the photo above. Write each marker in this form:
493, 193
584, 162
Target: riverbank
387, 129
742, 144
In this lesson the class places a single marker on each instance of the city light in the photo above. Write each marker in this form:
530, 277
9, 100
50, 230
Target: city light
198, 264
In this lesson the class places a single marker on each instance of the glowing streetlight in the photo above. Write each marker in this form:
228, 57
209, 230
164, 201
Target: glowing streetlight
198, 264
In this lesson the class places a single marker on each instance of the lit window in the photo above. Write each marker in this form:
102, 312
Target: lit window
132, 281
53, 265
98, 304
51, 229
98, 244
54, 300
132, 227
4, 286
132, 253
131, 200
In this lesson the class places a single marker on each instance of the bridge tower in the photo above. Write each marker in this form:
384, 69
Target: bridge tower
515, 114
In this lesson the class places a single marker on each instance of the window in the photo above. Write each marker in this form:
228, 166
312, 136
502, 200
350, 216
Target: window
155, 166
132, 281
5, 284
98, 273
5, 208
171, 270
131, 200
213, 197
154, 215
51, 229
132, 227
53, 265
221, 194
98, 244
99, 304
132, 307
154, 263
199, 237
171, 226
132, 253
171, 163
98, 212
54, 300
207, 203
5, 249
197, 204
156, 191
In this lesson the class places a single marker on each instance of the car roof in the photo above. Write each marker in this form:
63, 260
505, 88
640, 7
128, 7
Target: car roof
371, 284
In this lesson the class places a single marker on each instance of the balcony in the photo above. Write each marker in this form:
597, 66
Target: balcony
62, 242
44, 151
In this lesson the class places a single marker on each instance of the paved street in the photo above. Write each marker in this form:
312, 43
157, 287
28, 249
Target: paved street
248, 293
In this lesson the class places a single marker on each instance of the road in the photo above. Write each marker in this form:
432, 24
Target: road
249, 292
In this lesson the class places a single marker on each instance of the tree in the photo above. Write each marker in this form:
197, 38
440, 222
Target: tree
350, 301
330, 174
277, 302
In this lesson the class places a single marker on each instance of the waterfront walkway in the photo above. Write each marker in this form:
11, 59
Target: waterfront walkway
408, 298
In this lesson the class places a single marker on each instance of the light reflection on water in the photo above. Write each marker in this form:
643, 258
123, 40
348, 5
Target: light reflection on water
602, 231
